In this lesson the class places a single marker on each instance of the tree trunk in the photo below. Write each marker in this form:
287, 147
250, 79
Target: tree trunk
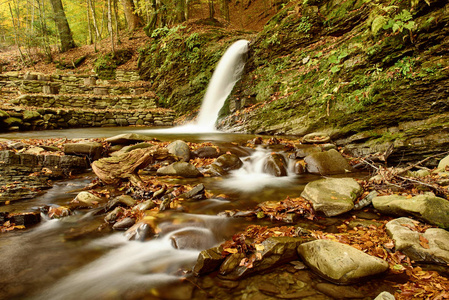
116, 21
180, 11
90, 41
94, 18
15, 34
225, 10
131, 17
65, 34
110, 27
211, 9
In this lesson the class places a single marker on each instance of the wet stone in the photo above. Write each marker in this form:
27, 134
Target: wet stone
276, 165
208, 261
180, 149
123, 201
140, 232
124, 224
206, 152
25, 219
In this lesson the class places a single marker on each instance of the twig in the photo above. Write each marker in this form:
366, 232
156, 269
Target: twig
421, 161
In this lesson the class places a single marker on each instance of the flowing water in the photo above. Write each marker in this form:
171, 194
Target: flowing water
47, 262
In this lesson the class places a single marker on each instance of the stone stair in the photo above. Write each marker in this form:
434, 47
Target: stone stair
39, 101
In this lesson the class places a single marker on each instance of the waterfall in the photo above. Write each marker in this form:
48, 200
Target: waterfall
228, 72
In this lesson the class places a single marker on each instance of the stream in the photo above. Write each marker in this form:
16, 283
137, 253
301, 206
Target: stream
43, 262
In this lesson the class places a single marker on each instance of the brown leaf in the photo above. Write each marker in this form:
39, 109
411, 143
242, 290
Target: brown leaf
423, 242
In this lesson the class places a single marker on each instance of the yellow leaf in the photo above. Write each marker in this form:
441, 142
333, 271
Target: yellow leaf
231, 250
259, 247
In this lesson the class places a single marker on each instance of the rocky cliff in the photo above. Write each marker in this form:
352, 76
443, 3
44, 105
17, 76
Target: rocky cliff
374, 75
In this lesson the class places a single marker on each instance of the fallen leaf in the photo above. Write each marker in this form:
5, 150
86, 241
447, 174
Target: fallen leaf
423, 242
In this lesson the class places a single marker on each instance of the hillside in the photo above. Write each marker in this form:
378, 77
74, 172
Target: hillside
372, 75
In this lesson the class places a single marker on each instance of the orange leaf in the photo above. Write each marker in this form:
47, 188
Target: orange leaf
423, 242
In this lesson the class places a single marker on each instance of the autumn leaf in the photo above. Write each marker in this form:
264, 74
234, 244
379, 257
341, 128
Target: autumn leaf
423, 242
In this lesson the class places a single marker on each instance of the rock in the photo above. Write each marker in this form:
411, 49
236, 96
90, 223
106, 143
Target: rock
196, 193
305, 150
30, 115
315, 138
112, 216
25, 219
4, 216
443, 164
182, 169
273, 252
128, 138
93, 150
340, 263
427, 207
223, 164
112, 170
275, 165
432, 246
340, 291
327, 163
299, 168
140, 231
332, 196
180, 149
34, 150
193, 238
385, 296
366, 200
146, 205
208, 261
206, 152
124, 224
58, 212
130, 148
84, 199
122, 200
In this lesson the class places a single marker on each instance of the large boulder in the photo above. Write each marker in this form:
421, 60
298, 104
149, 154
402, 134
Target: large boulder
332, 196
327, 163
428, 208
432, 246
92, 150
180, 149
340, 263
182, 169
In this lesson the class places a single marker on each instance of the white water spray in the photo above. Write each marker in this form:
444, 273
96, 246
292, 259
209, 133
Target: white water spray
252, 176
228, 72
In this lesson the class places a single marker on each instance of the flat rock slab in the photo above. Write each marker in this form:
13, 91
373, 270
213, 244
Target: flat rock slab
89, 149
340, 263
182, 169
428, 208
432, 246
327, 163
332, 196
128, 138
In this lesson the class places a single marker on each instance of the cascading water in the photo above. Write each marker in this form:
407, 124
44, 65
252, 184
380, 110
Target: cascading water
228, 72
252, 176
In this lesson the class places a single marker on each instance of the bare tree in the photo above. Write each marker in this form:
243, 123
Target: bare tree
65, 34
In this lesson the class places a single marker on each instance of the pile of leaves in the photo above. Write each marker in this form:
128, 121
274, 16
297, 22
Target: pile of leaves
279, 210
